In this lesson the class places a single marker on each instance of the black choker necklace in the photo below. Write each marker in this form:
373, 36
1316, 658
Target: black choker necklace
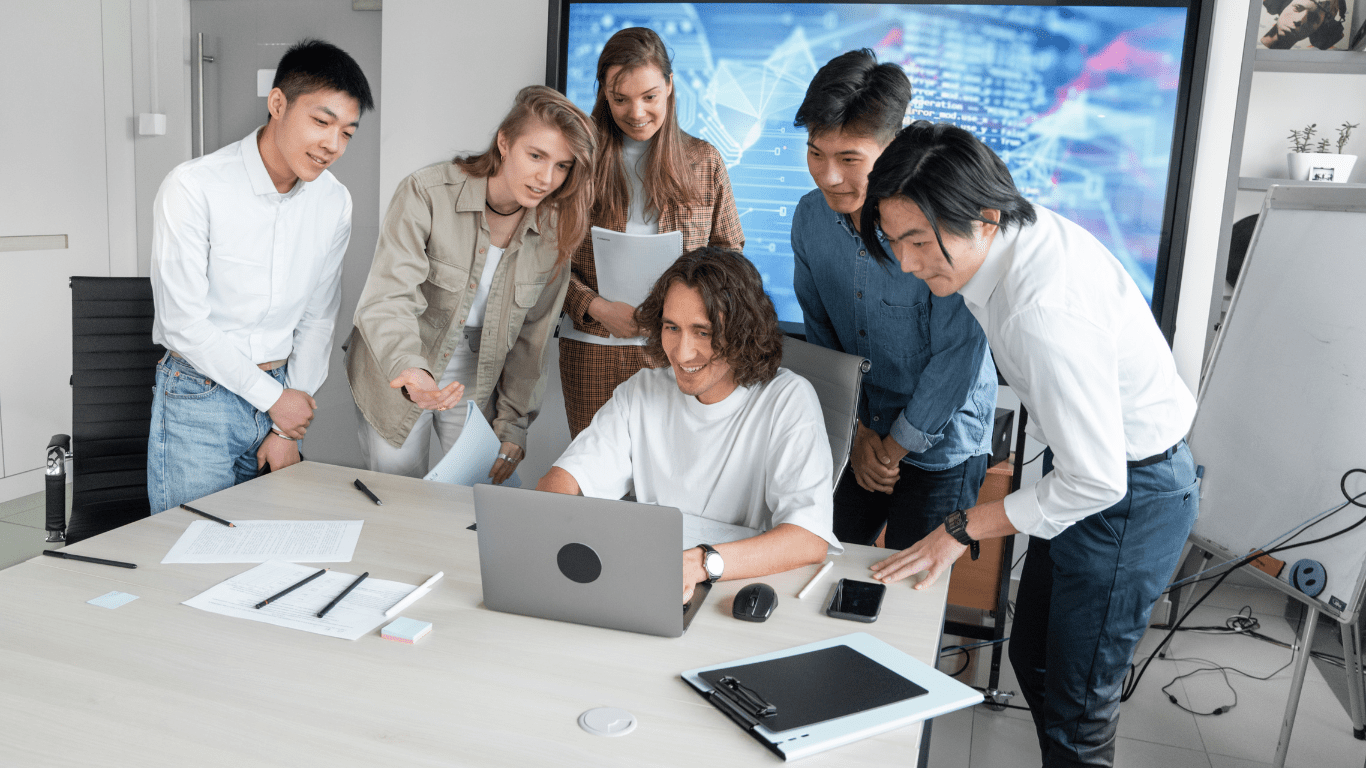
489, 205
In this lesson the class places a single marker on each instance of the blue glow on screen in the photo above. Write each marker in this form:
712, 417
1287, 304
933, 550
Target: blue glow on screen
1080, 102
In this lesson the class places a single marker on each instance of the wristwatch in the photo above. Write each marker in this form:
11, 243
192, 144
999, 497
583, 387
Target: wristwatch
712, 562
957, 526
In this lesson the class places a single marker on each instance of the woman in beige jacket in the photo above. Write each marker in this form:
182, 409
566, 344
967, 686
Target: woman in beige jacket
466, 286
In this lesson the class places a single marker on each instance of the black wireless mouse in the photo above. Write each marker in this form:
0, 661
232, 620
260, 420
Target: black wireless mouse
754, 602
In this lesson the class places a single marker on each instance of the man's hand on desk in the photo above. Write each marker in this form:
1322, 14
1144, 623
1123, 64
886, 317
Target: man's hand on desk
934, 553
278, 452
874, 468
422, 391
293, 412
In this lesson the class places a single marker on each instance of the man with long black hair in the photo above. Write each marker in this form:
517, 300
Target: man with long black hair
1075, 339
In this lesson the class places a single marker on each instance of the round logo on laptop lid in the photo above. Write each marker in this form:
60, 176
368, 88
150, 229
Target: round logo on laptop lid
578, 562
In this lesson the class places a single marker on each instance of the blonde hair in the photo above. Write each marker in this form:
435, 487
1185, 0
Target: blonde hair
574, 198
666, 175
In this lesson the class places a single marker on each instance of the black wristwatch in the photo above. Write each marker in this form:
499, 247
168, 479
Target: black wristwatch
957, 526
711, 562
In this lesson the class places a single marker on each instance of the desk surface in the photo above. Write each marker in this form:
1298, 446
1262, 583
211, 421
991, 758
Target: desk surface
173, 686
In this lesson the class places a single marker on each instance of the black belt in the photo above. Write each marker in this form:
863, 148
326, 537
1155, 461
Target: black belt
1156, 457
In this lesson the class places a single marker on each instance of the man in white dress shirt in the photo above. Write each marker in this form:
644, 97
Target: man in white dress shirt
247, 247
1076, 340
721, 432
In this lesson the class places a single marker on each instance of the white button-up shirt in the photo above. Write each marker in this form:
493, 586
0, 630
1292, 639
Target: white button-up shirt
242, 274
1075, 339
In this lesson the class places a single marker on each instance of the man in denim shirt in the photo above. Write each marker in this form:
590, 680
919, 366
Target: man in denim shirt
928, 401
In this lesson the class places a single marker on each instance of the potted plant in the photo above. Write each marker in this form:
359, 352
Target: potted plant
1318, 163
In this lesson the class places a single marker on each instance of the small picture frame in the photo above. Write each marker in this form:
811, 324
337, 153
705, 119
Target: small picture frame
1318, 173
1305, 25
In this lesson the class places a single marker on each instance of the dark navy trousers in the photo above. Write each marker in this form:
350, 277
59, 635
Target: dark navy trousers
1083, 604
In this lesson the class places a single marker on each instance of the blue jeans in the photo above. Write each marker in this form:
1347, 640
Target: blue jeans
1083, 605
203, 439
918, 504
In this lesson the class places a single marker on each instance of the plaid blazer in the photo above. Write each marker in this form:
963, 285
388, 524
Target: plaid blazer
589, 372
711, 220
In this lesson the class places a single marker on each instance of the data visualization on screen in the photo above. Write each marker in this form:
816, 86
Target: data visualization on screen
1080, 102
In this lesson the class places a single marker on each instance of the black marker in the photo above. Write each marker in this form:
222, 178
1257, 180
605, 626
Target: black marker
287, 590
84, 559
361, 487
202, 513
344, 593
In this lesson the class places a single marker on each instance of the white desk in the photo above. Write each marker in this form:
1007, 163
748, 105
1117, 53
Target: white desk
156, 683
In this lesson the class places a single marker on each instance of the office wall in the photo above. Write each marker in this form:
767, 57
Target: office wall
66, 170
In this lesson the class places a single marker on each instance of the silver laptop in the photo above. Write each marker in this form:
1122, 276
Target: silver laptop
607, 563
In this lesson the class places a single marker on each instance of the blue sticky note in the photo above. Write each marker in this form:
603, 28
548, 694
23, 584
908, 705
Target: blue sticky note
113, 599
406, 630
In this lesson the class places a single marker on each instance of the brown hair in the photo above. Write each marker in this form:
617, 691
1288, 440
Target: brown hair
743, 322
574, 199
666, 176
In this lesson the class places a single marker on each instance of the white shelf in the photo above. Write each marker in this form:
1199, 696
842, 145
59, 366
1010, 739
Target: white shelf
1325, 62
1256, 183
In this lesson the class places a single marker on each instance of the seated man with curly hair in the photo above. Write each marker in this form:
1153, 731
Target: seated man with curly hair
721, 432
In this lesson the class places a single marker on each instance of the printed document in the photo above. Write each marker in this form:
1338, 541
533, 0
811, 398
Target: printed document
256, 541
361, 612
470, 459
628, 265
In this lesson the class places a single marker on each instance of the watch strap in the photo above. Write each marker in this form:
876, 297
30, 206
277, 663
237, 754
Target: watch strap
707, 551
957, 526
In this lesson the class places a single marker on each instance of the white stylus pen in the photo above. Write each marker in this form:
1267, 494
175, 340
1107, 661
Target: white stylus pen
824, 569
414, 595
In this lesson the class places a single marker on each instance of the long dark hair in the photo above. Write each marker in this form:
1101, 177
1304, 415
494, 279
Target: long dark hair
743, 321
574, 199
950, 175
666, 176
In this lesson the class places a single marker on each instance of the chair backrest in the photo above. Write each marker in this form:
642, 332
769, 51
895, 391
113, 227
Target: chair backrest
113, 373
837, 378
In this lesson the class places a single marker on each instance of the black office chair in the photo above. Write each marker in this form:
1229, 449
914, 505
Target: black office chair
113, 374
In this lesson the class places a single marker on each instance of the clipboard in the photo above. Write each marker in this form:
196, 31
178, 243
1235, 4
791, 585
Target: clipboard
804, 700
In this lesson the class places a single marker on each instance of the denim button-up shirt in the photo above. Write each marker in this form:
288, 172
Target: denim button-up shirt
932, 383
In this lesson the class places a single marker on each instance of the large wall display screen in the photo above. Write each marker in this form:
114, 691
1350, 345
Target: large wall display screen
1082, 102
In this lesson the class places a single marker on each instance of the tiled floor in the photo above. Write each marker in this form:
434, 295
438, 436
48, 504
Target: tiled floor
21, 528
1153, 733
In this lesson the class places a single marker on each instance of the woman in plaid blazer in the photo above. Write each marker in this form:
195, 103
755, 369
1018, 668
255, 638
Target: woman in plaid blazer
649, 177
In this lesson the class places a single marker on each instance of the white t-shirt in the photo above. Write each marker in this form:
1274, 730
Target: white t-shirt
759, 458
481, 295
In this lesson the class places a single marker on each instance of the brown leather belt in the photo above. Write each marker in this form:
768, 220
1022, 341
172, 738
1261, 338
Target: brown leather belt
272, 365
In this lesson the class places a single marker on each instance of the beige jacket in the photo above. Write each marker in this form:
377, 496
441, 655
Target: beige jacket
431, 251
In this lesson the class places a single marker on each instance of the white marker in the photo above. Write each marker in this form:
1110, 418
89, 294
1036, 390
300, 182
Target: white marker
412, 597
824, 569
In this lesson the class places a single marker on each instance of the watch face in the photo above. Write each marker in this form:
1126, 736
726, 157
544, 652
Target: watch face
713, 564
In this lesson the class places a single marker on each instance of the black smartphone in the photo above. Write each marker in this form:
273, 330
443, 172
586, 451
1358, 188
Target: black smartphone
856, 600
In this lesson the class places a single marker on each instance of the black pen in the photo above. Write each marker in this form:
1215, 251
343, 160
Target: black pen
202, 513
83, 558
361, 487
287, 590
344, 593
